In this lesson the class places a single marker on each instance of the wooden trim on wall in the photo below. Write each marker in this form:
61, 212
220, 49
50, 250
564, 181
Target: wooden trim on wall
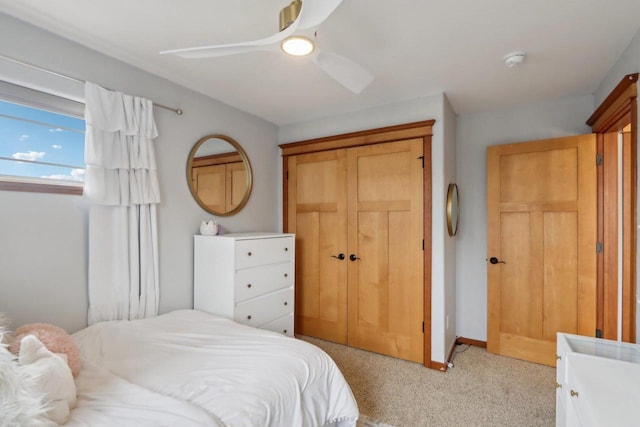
630, 222
428, 204
610, 235
609, 111
216, 159
616, 112
30, 187
438, 366
470, 341
354, 139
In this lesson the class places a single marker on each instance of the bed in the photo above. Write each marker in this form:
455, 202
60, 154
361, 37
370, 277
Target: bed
191, 368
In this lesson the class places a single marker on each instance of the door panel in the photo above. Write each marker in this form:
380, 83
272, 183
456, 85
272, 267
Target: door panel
541, 202
385, 233
236, 184
317, 215
210, 186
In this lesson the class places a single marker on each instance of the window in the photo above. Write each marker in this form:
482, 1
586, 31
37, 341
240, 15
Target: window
41, 141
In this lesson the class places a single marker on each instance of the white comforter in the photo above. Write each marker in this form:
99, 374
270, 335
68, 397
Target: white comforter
241, 375
106, 400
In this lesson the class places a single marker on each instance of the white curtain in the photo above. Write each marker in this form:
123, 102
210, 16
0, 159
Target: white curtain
121, 184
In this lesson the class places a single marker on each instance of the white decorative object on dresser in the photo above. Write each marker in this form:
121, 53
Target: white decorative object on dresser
247, 277
598, 382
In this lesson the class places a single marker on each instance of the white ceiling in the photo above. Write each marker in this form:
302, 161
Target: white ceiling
414, 48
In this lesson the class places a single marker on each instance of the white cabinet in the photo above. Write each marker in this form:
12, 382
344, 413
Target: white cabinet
247, 277
598, 382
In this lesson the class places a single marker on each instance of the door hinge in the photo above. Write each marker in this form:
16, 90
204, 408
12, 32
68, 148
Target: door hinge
423, 244
599, 247
598, 333
421, 158
286, 175
599, 159
423, 327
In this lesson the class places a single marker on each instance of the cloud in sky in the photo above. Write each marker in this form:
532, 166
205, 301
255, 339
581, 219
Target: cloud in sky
56, 130
56, 146
23, 137
76, 175
30, 155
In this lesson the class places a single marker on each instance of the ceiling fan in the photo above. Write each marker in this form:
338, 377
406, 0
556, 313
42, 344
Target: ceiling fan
298, 24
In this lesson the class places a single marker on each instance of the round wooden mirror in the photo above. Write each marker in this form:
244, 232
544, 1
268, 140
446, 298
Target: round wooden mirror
219, 175
453, 209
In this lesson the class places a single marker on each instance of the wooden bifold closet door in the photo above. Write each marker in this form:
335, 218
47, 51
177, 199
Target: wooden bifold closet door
358, 218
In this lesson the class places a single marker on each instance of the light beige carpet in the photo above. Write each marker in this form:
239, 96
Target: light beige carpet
482, 389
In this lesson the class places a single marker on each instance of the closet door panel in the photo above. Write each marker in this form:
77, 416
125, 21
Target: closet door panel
236, 184
385, 213
210, 186
317, 213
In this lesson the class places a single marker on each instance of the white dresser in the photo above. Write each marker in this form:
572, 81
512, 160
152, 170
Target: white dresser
247, 277
598, 382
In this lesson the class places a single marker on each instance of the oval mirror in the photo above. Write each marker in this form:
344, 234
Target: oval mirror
453, 209
219, 175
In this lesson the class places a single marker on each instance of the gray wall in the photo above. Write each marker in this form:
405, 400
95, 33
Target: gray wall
43, 261
475, 133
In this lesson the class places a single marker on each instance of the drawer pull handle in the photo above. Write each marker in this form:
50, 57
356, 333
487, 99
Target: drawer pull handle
248, 285
249, 317
285, 303
558, 385
249, 254
574, 393
286, 249
286, 275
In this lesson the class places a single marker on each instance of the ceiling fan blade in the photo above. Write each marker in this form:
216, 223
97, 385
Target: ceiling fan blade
314, 12
343, 70
268, 43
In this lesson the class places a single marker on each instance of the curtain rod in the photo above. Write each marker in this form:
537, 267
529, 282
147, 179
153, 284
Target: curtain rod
73, 79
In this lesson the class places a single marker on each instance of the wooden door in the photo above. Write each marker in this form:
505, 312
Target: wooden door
317, 214
236, 184
385, 275
541, 229
210, 186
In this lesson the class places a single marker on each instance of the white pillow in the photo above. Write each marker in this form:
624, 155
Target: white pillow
52, 377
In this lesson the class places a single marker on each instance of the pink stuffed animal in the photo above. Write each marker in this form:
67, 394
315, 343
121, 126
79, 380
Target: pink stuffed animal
55, 339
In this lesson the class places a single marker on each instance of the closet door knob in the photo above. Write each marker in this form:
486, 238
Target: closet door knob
286, 249
339, 256
286, 275
248, 285
353, 257
494, 260
249, 317
286, 303
284, 331
249, 254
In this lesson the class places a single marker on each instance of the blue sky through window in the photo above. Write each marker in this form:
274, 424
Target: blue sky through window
40, 136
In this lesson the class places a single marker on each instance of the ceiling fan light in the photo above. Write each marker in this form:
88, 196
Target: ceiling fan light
297, 46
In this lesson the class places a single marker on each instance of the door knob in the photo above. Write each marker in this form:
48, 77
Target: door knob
353, 257
339, 256
494, 260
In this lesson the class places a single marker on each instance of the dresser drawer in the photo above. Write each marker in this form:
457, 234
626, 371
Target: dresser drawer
283, 325
255, 252
253, 282
263, 309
